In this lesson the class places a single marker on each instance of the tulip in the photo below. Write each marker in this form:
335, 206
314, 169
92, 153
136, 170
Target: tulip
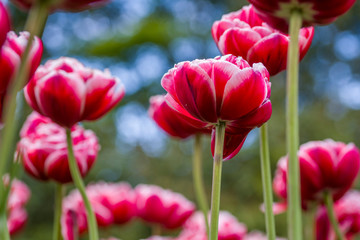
163, 207
347, 211
173, 122
10, 57
4, 23
44, 152
325, 166
229, 228
113, 203
67, 92
243, 33
225, 89
313, 12
64, 5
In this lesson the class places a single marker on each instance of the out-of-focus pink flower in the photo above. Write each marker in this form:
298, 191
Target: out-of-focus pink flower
19, 196
244, 34
229, 228
67, 92
113, 203
173, 122
324, 166
347, 211
44, 149
64, 5
277, 12
4, 23
10, 57
223, 89
164, 207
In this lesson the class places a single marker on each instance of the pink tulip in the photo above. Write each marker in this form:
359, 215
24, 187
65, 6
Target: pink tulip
10, 57
173, 122
223, 89
347, 211
229, 228
244, 34
44, 149
324, 166
67, 92
4, 23
64, 5
164, 207
113, 203
277, 12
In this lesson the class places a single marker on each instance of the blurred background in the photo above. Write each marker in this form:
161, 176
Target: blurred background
139, 40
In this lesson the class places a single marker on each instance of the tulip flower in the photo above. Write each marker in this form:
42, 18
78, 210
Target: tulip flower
347, 211
10, 57
44, 152
229, 228
223, 89
64, 5
67, 92
163, 207
325, 166
173, 122
4, 23
243, 33
277, 12
113, 203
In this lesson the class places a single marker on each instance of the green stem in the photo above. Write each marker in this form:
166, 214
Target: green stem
8, 134
267, 183
156, 230
75, 174
292, 129
198, 180
216, 182
331, 214
59, 194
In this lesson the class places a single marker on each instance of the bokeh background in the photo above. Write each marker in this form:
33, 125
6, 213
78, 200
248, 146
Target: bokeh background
139, 40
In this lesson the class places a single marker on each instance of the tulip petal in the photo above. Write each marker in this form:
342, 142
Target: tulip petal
348, 166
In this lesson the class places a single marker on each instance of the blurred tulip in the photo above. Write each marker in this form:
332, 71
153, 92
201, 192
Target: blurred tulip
113, 203
223, 89
173, 122
324, 166
64, 5
44, 150
164, 207
244, 34
10, 57
67, 92
347, 211
277, 12
4, 23
229, 228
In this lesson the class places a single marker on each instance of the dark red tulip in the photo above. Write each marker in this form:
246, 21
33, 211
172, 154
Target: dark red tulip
347, 211
4, 23
44, 149
244, 34
164, 207
223, 89
67, 92
324, 166
113, 203
277, 12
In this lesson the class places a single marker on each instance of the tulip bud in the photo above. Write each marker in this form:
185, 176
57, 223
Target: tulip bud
4, 23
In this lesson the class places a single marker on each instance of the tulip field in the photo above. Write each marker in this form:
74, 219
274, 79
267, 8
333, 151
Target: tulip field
179, 120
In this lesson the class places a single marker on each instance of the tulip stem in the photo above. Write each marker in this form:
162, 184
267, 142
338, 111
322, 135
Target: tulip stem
266, 182
59, 194
75, 174
292, 129
331, 214
198, 180
8, 134
216, 182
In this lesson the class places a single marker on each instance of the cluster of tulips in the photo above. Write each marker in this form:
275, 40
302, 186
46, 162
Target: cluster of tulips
225, 97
